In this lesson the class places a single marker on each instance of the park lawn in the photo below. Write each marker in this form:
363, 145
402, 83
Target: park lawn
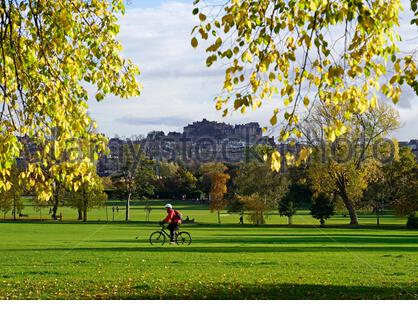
67, 260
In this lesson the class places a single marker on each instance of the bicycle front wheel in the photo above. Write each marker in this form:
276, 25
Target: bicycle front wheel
184, 238
157, 238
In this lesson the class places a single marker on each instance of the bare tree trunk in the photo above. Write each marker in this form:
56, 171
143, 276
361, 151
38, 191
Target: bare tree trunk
219, 217
55, 208
85, 205
289, 220
55, 202
350, 207
14, 207
80, 214
128, 203
341, 183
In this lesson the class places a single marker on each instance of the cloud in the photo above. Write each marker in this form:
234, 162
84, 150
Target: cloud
178, 88
155, 121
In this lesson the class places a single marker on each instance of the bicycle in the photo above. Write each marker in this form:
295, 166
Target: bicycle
160, 237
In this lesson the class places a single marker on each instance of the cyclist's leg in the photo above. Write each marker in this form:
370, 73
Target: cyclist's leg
172, 229
176, 230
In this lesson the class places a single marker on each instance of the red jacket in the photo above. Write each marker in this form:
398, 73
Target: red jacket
172, 217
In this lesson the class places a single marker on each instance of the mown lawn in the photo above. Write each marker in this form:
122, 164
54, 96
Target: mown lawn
66, 260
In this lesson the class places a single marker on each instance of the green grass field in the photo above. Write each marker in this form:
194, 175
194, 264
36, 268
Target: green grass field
99, 260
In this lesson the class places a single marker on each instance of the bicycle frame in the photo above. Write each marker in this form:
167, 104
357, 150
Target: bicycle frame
167, 234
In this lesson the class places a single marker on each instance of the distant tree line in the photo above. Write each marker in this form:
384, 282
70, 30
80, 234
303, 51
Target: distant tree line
345, 175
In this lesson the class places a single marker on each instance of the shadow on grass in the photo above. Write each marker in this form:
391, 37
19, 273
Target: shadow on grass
229, 249
231, 291
287, 239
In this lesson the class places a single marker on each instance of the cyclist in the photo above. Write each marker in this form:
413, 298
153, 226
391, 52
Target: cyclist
174, 219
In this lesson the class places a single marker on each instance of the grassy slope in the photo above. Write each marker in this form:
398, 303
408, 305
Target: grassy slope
98, 260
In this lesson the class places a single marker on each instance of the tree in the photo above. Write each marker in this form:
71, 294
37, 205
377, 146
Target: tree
346, 166
376, 196
284, 48
145, 177
11, 200
287, 208
401, 178
49, 52
134, 175
256, 206
217, 192
322, 207
207, 170
88, 196
148, 210
257, 178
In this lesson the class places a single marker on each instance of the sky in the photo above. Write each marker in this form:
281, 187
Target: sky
178, 88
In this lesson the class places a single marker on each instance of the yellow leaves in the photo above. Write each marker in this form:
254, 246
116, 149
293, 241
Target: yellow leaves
330, 134
247, 57
275, 161
202, 17
194, 42
304, 154
373, 102
290, 158
306, 101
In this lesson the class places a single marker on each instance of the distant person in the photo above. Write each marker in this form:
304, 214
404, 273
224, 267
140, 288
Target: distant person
174, 220
187, 219
113, 209
117, 209
241, 220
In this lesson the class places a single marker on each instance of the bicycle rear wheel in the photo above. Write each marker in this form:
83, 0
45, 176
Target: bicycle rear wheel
157, 238
184, 238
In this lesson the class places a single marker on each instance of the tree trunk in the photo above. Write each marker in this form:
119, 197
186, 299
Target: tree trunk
322, 222
219, 217
85, 205
14, 207
348, 204
55, 209
289, 220
128, 203
80, 214
55, 203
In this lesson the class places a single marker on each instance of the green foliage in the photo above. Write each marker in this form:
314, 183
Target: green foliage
235, 205
401, 177
175, 180
412, 222
136, 175
258, 178
49, 52
322, 207
287, 206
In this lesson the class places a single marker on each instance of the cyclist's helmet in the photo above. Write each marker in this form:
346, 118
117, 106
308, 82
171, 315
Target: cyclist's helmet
168, 206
